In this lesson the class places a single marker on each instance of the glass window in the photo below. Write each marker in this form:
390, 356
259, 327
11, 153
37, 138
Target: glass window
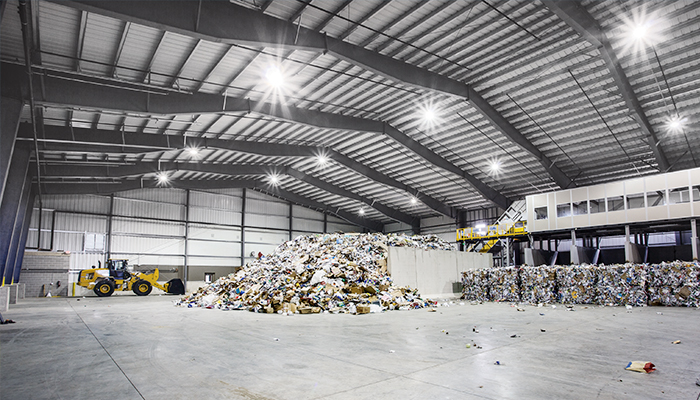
696, 193
635, 201
563, 210
679, 195
616, 203
541, 213
580, 208
597, 206
656, 198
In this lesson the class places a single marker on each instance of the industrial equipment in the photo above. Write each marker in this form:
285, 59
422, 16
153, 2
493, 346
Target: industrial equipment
118, 275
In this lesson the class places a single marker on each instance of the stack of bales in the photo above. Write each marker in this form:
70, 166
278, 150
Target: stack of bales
622, 284
537, 284
475, 285
504, 284
674, 284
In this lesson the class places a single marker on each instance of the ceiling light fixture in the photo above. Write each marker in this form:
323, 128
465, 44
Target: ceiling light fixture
322, 160
193, 151
273, 179
675, 124
163, 178
274, 76
414, 201
495, 166
361, 211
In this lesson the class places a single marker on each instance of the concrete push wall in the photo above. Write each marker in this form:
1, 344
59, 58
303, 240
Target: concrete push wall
44, 269
436, 273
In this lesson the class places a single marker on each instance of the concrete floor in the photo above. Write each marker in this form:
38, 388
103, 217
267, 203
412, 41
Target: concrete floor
129, 347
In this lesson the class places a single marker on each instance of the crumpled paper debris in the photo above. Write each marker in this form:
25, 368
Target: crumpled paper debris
318, 273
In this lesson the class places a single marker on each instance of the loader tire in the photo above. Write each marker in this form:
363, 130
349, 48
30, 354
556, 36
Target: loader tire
142, 287
104, 288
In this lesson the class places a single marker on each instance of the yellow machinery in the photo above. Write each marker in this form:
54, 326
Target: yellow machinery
117, 276
492, 234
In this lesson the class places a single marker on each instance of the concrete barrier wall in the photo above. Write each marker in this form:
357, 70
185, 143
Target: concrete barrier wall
436, 273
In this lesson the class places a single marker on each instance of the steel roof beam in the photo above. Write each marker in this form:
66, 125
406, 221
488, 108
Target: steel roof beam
127, 171
578, 18
230, 23
62, 138
65, 92
108, 188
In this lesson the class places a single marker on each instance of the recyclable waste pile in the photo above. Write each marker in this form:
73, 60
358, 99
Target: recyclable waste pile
622, 284
504, 284
576, 284
674, 284
475, 284
537, 284
311, 274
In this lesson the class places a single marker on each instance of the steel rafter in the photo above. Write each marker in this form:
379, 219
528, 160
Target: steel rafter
78, 94
66, 139
578, 18
231, 23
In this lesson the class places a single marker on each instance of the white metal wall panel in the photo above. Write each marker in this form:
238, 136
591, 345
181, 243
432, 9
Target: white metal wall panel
259, 236
135, 244
158, 195
80, 223
147, 227
217, 249
214, 233
307, 225
216, 201
268, 221
214, 216
85, 260
303, 233
303, 212
78, 203
68, 241
148, 260
193, 261
148, 209
266, 207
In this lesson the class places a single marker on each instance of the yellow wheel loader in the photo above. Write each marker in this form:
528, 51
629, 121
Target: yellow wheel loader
117, 276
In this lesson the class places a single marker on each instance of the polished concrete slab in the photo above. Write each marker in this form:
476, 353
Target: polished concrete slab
129, 347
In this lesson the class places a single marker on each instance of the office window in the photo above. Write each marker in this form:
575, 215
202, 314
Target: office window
580, 208
679, 195
597, 206
616, 203
541, 213
655, 199
696, 193
563, 210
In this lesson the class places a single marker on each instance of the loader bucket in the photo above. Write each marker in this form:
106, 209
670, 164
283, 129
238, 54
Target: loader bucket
175, 286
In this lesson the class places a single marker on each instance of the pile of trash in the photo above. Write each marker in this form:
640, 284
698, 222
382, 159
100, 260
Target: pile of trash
669, 284
336, 273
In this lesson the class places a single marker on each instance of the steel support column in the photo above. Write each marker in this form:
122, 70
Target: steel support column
10, 111
11, 202
243, 228
694, 238
29, 210
10, 263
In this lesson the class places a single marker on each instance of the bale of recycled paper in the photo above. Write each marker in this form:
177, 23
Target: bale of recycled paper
537, 284
504, 284
475, 285
576, 284
620, 284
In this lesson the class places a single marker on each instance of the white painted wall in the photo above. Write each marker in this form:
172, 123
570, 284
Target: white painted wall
433, 272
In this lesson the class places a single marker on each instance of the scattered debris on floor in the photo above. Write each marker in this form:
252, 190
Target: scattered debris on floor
676, 342
641, 366
320, 273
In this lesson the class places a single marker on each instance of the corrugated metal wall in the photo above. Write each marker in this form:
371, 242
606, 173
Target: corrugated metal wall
167, 229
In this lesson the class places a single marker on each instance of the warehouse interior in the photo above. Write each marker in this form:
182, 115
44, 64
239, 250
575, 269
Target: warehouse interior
201, 137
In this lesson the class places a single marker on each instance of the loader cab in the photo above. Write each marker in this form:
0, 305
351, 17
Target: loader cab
118, 269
